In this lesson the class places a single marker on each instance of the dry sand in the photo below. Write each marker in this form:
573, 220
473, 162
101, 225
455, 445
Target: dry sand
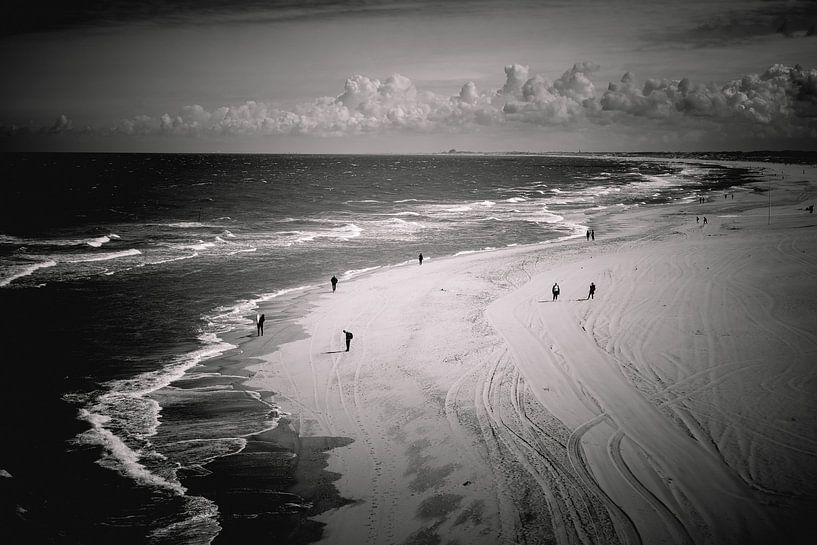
678, 406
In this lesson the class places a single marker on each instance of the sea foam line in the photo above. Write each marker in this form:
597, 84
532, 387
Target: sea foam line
119, 402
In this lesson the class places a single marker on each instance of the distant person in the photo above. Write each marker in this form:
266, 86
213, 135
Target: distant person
555, 291
334, 281
593, 234
592, 290
705, 220
260, 325
420, 258
588, 234
810, 209
348, 338
697, 219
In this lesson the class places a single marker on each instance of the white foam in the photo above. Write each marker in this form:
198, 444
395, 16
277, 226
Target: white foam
87, 258
355, 272
466, 252
201, 246
202, 512
169, 260
118, 456
243, 250
97, 242
187, 224
25, 270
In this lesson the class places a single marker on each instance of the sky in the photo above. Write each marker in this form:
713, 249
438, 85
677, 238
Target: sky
388, 76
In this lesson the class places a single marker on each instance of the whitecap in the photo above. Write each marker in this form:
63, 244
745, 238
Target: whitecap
87, 258
201, 246
24, 270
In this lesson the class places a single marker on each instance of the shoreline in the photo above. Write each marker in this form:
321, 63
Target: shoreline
336, 387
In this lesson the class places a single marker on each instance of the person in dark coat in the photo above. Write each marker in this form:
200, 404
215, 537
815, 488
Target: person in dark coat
348, 338
260, 325
334, 281
555, 291
420, 258
592, 290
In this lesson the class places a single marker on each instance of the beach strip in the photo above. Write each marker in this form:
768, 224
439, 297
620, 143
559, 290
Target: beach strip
671, 408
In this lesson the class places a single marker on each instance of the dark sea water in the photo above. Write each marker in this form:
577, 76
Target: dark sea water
120, 273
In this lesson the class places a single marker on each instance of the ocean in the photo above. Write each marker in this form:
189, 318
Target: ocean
120, 274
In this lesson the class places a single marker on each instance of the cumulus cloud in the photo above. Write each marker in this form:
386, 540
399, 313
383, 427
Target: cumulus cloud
780, 101
539, 101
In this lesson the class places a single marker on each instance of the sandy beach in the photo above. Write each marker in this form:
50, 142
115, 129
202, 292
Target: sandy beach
677, 406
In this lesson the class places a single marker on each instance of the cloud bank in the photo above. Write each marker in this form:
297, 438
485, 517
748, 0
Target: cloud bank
779, 102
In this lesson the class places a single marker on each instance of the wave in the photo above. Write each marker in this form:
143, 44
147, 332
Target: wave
357, 272
99, 241
199, 247
89, 258
238, 315
243, 250
95, 242
170, 260
24, 270
188, 225
124, 413
467, 252
118, 456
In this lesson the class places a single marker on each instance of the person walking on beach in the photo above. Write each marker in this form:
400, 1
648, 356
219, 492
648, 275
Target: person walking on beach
697, 219
592, 290
334, 281
705, 221
420, 258
588, 234
555, 291
348, 338
593, 234
260, 325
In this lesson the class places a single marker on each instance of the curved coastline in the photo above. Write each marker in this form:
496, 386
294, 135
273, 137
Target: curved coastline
425, 387
364, 468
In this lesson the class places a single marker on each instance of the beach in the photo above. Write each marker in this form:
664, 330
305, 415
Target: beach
674, 407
